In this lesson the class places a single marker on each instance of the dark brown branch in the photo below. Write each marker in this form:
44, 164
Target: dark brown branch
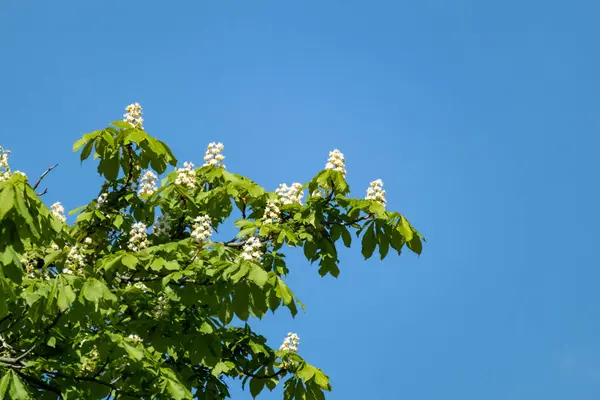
273, 375
43, 192
43, 176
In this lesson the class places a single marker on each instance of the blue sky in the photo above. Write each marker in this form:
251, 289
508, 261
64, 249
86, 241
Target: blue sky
480, 117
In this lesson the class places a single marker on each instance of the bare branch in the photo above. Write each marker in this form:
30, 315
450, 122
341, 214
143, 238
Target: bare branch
43, 193
43, 176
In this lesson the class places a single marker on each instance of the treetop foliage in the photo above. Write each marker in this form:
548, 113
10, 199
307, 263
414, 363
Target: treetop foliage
134, 300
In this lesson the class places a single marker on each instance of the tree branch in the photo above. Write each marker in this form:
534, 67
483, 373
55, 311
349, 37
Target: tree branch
348, 223
273, 375
43, 176
40, 383
17, 360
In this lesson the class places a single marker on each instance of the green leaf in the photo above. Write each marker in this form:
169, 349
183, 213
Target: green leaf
258, 275
377, 208
256, 386
306, 372
6, 200
415, 244
66, 296
93, 290
52, 341
322, 380
87, 150
384, 244
118, 221
17, 391
130, 261
369, 242
346, 237
283, 292
4, 382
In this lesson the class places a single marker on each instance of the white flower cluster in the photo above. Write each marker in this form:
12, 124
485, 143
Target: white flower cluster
290, 194
202, 228
213, 155
252, 249
272, 213
76, 258
376, 192
135, 338
5, 172
162, 307
59, 211
27, 262
133, 116
91, 360
148, 184
336, 161
186, 176
4, 167
138, 239
102, 198
290, 343
161, 227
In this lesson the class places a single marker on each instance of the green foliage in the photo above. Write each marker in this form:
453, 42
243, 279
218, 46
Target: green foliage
157, 322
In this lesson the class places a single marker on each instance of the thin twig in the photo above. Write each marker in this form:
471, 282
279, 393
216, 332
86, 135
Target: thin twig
44, 175
43, 193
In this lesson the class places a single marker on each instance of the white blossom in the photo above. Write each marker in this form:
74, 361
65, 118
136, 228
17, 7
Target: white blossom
67, 271
290, 343
54, 247
162, 307
290, 194
59, 211
148, 184
186, 176
102, 198
138, 239
272, 213
202, 228
376, 192
336, 161
133, 116
135, 338
213, 155
90, 362
316, 193
28, 263
251, 250
76, 257
4, 167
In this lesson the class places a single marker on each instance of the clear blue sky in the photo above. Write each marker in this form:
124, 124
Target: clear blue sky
480, 117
